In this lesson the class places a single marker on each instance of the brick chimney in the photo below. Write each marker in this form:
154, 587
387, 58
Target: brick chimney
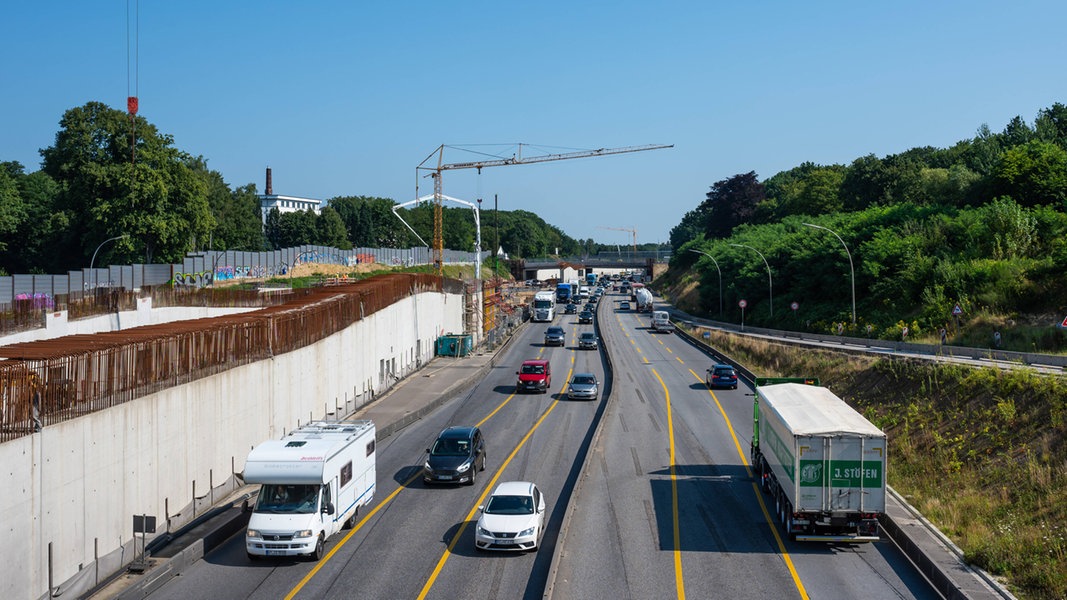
270, 186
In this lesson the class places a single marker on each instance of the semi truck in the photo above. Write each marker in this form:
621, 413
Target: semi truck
312, 483
544, 307
821, 462
564, 293
643, 299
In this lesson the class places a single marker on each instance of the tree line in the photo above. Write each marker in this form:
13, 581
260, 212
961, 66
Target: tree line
109, 175
982, 225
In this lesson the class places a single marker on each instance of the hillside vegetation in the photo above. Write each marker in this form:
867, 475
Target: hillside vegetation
970, 241
981, 225
980, 452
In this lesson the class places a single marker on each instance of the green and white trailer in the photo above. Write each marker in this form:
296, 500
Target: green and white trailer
822, 462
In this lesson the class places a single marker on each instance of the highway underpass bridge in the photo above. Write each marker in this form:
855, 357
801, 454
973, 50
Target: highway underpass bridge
649, 264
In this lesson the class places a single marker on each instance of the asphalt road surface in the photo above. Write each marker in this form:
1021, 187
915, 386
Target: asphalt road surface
417, 541
668, 507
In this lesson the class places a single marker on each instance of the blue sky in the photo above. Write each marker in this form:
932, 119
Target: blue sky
346, 98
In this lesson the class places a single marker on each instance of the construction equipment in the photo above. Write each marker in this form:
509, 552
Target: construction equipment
516, 159
632, 231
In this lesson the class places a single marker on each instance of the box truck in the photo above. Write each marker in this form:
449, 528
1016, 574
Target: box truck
821, 462
312, 483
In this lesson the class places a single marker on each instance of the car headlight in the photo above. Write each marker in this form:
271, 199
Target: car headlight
484, 531
252, 533
303, 533
526, 532
463, 468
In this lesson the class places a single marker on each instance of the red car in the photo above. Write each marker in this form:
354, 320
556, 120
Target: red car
534, 376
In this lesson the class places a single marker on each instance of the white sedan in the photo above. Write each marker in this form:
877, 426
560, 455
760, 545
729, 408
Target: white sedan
512, 519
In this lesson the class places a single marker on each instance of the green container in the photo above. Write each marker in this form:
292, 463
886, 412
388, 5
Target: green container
454, 345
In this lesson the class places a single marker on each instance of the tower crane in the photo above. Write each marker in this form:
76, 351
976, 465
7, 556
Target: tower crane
517, 159
632, 231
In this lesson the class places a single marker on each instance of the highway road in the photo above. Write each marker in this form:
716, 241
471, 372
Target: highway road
666, 508
417, 541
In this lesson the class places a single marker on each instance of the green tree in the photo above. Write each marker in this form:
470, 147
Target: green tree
12, 209
1034, 173
1051, 125
272, 229
731, 202
331, 230
157, 199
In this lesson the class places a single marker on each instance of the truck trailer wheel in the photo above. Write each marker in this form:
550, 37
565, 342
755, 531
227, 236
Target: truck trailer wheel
789, 523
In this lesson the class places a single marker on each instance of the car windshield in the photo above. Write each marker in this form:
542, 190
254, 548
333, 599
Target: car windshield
450, 447
282, 498
584, 379
533, 369
510, 505
588, 336
555, 331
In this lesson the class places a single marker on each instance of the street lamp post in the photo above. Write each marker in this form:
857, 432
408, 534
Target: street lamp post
478, 241
851, 270
93, 261
720, 276
770, 289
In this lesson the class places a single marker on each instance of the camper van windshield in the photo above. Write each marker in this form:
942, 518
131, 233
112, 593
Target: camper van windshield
283, 498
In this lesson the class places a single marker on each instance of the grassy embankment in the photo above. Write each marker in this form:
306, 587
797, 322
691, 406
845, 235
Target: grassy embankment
980, 452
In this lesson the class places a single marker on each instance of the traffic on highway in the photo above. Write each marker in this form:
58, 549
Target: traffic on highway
638, 485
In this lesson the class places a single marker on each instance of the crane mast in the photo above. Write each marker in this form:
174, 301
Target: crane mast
632, 231
517, 159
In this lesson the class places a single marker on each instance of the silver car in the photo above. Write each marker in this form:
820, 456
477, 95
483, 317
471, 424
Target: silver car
583, 386
587, 341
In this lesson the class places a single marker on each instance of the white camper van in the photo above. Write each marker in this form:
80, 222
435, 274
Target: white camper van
313, 482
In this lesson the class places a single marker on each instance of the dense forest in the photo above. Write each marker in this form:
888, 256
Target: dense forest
981, 225
94, 185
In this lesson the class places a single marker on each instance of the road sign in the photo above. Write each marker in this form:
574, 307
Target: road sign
1064, 324
794, 305
956, 310
742, 304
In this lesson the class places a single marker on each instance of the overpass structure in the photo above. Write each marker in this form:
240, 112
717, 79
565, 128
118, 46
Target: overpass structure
643, 262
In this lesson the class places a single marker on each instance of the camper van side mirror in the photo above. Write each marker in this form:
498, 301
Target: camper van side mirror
246, 506
328, 508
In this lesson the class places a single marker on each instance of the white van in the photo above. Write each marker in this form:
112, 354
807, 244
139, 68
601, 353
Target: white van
661, 321
313, 482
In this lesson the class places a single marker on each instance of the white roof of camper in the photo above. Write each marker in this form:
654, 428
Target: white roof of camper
301, 456
813, 410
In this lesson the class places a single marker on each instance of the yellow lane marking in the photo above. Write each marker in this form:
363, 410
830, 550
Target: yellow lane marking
485, 492
679, 359
300, 585
325, 559
759, 495
679, 583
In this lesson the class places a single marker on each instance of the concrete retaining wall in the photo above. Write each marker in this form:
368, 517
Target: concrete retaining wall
77, 485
